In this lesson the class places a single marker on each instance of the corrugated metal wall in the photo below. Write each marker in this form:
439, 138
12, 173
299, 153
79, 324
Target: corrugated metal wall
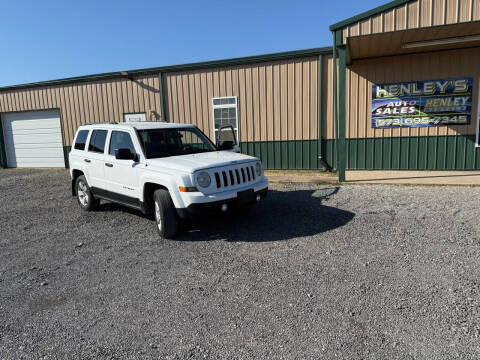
277, 107
417, 14
417, 67
439, 147
276, 100
82, 103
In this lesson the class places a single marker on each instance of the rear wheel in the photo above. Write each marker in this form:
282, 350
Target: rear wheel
165, 214
84, 195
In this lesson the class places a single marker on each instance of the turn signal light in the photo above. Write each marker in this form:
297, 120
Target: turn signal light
187, 189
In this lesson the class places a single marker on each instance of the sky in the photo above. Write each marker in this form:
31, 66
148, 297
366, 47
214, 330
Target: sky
45, 40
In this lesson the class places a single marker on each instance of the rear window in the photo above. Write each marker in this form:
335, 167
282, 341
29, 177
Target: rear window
81, 140
97, 141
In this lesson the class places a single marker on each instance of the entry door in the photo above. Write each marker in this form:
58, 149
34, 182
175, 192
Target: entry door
95, 158
121, 175
33, 139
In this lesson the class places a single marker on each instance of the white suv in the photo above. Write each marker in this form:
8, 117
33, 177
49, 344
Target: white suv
170, 170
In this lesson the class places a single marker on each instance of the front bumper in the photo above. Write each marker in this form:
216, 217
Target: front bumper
199, 209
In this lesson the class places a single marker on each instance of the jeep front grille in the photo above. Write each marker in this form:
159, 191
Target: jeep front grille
239, 176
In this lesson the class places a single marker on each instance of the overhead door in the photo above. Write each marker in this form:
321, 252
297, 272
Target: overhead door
33, 139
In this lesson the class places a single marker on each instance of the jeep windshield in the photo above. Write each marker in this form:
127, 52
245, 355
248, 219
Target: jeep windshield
158, 143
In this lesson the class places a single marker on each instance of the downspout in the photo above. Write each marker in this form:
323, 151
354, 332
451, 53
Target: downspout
162, 101
321, 161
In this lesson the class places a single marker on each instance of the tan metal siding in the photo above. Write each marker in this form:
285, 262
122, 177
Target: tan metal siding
88, 102
417, 14
445, 64
328, 116
276, 100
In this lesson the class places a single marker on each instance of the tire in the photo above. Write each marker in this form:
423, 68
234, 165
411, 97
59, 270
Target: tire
85, 198
166, 217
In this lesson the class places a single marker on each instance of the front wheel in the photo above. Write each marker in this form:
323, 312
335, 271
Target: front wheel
165, 214
84, 195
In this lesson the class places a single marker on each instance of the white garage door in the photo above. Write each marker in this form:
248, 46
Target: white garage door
33, 139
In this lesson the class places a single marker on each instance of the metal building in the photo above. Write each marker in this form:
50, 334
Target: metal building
278, 103
406, 82
408, 42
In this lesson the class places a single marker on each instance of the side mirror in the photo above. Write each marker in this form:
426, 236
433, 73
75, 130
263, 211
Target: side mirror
125, 154
225, 145
226, 138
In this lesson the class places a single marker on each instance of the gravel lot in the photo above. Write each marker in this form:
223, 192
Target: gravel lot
351, 272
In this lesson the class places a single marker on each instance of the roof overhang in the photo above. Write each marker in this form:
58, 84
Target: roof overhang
443, 37
378, 10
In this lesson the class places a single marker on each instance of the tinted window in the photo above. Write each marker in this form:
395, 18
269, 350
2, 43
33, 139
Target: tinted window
97, 141
120, 140
172, 142
81, 140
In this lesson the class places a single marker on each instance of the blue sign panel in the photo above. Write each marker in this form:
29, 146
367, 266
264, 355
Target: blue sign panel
422, 103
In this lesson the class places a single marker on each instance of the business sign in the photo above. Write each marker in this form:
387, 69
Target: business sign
422, 103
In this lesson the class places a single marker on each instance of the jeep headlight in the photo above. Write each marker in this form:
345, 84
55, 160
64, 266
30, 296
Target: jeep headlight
203, 179
258, 169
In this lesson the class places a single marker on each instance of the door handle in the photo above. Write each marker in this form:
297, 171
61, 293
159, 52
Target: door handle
87, 160
108, 164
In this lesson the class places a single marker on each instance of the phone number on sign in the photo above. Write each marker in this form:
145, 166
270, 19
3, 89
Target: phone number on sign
424, 120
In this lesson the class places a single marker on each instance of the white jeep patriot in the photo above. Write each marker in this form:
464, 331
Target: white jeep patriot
170, 170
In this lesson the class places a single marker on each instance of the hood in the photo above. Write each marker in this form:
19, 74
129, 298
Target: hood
194, 162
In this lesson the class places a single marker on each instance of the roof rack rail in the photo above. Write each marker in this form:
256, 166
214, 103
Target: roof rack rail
100, 123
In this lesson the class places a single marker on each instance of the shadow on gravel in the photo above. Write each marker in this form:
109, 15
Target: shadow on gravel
281, 216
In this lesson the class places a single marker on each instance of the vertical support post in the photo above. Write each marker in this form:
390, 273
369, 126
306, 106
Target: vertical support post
319, 106
162, 102
3, 153
341, 147
335, 99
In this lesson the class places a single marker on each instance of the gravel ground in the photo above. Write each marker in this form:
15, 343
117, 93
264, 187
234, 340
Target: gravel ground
351, 272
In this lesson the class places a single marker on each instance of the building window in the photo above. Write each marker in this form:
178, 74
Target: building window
225, 113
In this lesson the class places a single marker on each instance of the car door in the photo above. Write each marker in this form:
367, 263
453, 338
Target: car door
95, 158
121, 175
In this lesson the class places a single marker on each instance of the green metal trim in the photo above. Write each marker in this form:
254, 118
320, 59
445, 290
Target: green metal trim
444, 152
66, 152
3, 152
319, 103
338, 38
335, 104
181, 67
162, 101
367, 14
290, 154
341, 146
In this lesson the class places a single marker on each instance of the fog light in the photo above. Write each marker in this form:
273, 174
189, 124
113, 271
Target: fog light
224, 207
259, 197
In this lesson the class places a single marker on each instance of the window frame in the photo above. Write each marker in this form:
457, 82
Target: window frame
110, 141
85, 145
92, 133
226, 106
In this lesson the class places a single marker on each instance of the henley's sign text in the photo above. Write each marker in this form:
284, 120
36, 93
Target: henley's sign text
422, 103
